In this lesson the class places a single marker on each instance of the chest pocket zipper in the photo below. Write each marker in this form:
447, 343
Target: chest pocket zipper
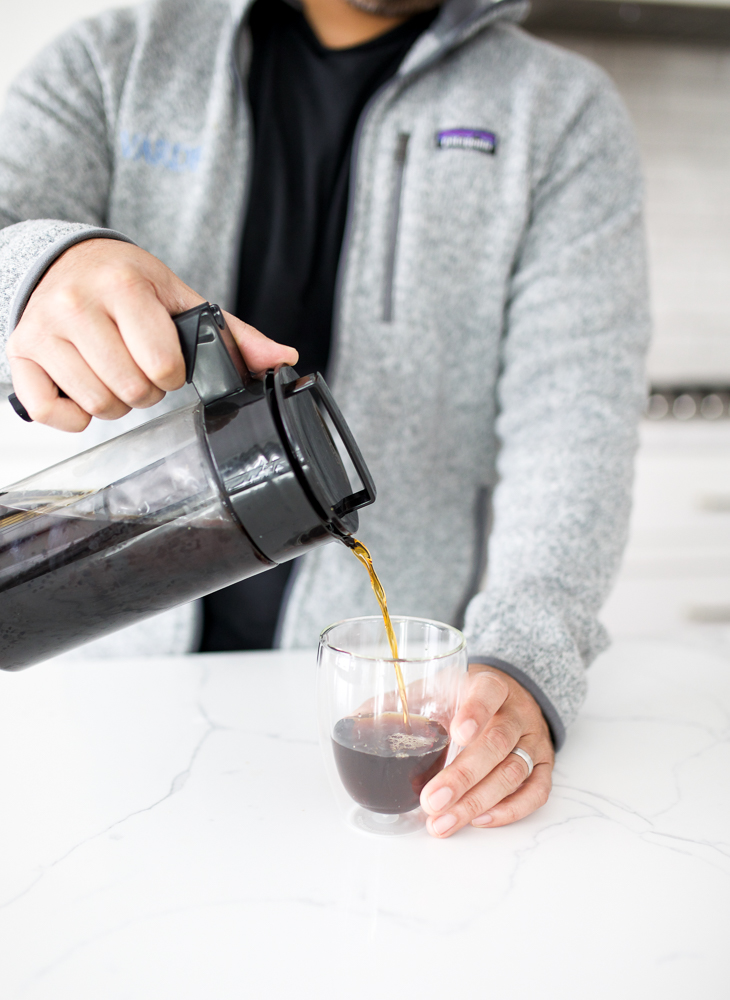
391, 248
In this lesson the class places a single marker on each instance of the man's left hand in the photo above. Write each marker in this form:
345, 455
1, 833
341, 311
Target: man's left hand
487, 785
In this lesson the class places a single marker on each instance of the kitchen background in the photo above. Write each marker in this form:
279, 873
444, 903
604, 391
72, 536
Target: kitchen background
671, 63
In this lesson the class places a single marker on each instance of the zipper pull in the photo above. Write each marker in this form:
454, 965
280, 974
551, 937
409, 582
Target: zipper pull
401, 148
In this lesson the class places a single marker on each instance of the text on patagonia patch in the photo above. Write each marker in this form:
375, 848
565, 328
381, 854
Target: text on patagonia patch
467, 138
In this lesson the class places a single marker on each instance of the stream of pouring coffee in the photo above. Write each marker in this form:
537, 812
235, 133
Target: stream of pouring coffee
366, 559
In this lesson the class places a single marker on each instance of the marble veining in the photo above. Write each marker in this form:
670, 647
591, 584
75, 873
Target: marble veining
168, 831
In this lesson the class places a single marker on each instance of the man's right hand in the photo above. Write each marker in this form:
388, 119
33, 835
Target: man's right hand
98, 327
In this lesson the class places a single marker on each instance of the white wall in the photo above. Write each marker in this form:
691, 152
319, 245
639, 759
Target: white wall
679, 98
27, 25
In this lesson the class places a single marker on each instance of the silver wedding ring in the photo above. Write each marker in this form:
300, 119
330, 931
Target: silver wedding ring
527, 759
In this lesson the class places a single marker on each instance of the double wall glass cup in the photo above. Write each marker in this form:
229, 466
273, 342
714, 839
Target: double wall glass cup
378, 756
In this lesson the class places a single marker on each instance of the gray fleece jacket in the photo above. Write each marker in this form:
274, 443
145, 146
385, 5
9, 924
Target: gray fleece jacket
491, 313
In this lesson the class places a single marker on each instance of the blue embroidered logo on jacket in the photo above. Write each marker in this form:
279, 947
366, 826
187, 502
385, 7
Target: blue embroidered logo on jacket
467, 138
176, 156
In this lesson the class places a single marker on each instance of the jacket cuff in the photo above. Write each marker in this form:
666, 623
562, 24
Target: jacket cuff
43, 261
555, 723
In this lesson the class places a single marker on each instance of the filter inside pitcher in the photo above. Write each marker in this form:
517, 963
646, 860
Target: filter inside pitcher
40, 527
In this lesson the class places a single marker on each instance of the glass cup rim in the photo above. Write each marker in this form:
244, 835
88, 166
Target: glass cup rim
324, 641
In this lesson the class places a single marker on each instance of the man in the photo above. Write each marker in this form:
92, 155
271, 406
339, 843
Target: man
440, 210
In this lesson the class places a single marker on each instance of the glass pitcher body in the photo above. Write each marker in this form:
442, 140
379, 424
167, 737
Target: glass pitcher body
114, 535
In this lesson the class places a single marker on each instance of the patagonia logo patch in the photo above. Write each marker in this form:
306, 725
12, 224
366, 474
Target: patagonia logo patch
467, 138
175, 156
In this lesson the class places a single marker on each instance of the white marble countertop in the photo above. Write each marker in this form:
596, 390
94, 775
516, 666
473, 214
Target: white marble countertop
167, 831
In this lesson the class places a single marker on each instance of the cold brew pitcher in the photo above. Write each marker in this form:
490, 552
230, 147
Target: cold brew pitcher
184, 505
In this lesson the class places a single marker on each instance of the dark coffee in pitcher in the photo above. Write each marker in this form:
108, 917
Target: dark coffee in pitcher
107, 573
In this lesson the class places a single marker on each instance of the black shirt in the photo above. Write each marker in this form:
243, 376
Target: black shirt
306, 101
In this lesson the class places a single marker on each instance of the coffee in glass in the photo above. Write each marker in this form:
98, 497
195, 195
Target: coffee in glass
378, 763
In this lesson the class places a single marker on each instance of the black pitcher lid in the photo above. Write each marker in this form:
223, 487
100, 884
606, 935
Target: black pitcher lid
302, 404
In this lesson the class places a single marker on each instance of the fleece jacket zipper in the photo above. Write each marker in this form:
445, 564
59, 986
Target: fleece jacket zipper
401, 152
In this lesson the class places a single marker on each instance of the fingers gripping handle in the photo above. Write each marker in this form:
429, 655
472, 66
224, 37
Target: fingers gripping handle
213, 362
20, 409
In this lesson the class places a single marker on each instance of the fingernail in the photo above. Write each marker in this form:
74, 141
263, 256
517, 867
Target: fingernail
484, 820
466, 731
440, 798
443, 823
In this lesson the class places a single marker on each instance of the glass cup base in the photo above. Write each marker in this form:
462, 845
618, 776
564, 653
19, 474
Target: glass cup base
386, 825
